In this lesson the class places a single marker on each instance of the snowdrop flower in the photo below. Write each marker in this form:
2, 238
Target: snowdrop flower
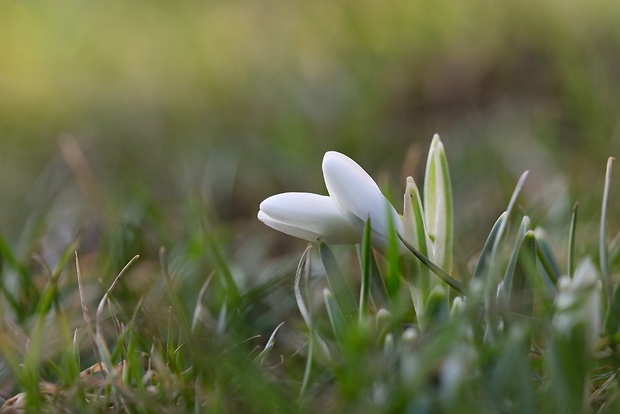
307, 216
359, 198
354, 197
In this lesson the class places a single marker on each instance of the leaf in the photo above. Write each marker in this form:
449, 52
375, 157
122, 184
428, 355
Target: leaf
415, 232
337, 282
521, 297
437, 308
512, 263
487, 254
366, 271
571, 243
336, 318
302, 268
269, 345
449, 280
438, 207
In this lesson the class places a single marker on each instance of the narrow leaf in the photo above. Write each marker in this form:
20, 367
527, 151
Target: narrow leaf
366, 271
511, 204
449, 280
521, 297
486, 256
549, 265
337, 282
571, 242
336, 318
303, 267
438, 207
512, 263
603, 232
415, 232
269, 345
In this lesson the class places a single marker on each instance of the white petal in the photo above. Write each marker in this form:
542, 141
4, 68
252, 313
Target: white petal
307, 216
358, 197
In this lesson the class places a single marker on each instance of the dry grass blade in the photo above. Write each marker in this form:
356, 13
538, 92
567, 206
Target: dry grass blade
85, 313
98, 317
200, 311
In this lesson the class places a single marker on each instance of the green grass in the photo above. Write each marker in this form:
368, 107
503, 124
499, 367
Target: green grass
154, 129
175, 331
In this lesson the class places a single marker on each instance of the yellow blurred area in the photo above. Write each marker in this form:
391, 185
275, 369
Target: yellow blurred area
150, 88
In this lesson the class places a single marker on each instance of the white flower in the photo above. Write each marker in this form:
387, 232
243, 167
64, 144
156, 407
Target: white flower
354, 197
307, 216
359, 198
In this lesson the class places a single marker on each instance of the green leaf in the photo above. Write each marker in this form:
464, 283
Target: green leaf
415, 232
511, 204
336, 318
437, 308
512, 263
548, 264
337, 282
487, 254
366, 271
611, 324
378, 292
571, 243
521, 293
438, 207
392, 280
449, 280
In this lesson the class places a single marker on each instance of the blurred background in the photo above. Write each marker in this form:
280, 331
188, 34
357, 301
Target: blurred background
115, 115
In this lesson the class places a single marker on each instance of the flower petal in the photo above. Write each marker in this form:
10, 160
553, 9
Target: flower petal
358, 197
307, 216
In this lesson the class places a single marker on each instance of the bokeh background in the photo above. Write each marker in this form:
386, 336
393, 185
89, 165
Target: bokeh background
115, 115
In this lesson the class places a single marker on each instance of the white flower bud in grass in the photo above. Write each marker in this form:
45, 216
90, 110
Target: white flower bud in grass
308, 216
358, 197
